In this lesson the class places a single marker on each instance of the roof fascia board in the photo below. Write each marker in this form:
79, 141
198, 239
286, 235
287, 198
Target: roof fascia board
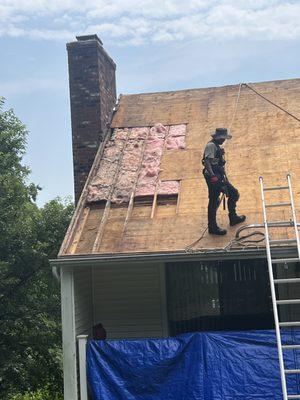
109, 259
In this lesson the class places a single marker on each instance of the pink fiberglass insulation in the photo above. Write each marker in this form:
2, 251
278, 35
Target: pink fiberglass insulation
147, 189
105, 174
168, 187
97, 193
139, 133
150, 168
175, 143
124, 186
158, 131
154, 149
177, 130
120, 133
132, 155
113, 150
159, 136
176, 137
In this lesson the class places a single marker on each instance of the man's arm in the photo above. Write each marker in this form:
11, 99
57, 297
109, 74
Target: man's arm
208, 167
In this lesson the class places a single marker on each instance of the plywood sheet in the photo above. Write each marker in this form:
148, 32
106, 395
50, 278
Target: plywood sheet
90, 229
265, 142
181, 164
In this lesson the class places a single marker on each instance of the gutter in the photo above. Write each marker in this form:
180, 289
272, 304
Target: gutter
208, 255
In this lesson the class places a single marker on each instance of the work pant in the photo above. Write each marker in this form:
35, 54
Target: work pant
214, 191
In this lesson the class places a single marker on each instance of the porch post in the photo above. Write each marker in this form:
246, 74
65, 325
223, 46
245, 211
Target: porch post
82, 340
68, 334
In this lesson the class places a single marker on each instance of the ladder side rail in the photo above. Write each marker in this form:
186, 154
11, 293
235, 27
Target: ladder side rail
294, 213
273, 294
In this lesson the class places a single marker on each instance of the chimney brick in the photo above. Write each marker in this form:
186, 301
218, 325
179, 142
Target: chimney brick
92, 83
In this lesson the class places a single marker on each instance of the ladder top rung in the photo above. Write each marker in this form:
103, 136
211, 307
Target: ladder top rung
288, 301
288, 280
292, 371
283, 204
276, 188
284, 260
291, 346
287, 324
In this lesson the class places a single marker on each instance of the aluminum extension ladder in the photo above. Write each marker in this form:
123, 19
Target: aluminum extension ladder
273, 282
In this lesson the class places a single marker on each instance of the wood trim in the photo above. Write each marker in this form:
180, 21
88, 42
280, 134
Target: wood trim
79, 230
154, 204
178, 198
68, 334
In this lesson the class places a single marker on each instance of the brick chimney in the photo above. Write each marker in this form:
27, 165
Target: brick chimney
92, 96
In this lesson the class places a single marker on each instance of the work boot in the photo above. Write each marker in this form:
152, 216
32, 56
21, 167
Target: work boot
235, 219
216, 231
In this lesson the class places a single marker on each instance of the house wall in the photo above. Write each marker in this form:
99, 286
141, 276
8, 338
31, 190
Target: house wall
83, 300
130, 301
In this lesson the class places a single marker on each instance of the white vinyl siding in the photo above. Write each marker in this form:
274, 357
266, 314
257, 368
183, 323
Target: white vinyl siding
83, 300
128, 300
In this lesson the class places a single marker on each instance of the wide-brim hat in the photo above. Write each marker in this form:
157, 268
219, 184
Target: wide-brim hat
221, 133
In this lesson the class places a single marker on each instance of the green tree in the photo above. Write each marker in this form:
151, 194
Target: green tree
30, 340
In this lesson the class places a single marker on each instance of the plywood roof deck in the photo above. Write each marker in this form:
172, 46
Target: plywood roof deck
265, 142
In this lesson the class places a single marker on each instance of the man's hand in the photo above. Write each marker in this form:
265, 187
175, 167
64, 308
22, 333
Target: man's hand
214, 179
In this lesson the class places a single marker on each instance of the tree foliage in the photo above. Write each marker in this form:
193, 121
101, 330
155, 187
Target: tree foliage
30, 341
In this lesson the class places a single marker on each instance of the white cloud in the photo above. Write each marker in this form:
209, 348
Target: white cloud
142, 21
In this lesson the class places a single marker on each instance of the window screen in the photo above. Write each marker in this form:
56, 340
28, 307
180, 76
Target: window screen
218, 295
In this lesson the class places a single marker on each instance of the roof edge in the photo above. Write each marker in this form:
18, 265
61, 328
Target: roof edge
210, 87
207, 255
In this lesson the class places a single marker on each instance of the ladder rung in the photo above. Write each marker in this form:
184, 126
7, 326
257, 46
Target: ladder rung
276, 188
293, 396
278, 204
287, 280
291, 346
292, 371
287, 324
290, 301
282, 224
279, 241
285, 260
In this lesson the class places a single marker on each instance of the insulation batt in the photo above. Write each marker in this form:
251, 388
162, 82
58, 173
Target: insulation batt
159, 136
105, 174
124, 185
168, 187
138, 133
158, 131
113, 150
176, 137
131, 158
97, 193
120, 134
177, 130
175, 143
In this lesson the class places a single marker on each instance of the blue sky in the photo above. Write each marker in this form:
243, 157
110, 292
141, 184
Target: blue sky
157, 46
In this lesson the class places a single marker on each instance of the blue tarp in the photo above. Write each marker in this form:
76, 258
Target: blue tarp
195, 366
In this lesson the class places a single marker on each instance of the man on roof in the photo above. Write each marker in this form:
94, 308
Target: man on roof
217, 182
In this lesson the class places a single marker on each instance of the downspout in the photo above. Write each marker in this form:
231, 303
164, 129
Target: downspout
56, 273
